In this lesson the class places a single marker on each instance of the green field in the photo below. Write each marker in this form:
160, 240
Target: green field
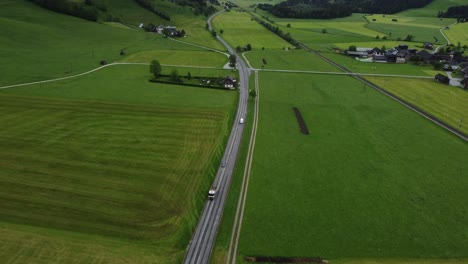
458, 33
181, 57
381, 68
448, 103
426, 30
240, 30
36, 44
107, 168
373, 180
432, 9
288, 60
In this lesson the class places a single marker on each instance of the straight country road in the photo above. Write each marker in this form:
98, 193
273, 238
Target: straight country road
202, 242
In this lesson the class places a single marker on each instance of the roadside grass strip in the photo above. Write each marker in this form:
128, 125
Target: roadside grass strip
371, 180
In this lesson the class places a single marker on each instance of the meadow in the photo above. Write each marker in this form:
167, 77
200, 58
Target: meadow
447, 103
371, 181
380, 68
288, 60
107, 168
37, 44
432, 9
204, 58
458, 33
239, 30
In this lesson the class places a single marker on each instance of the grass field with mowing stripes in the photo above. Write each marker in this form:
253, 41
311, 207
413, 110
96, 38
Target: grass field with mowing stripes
108, 168
372, 180
240, 30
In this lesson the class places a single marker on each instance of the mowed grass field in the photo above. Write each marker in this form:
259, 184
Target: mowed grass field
432, 9
181, 57
422, 29
108, 168
240, 30
447, 103
458, 33
372, 180
288, 60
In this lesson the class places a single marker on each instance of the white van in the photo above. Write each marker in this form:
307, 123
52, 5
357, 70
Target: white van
241, 121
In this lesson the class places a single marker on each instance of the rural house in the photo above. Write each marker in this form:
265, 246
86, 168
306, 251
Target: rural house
428, 45
442, 78
230, 82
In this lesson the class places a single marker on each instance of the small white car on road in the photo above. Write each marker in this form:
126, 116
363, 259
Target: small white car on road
241, 121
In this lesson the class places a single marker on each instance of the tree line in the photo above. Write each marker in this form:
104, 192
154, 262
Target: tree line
458, 12
148, 5
87, 10
324, 9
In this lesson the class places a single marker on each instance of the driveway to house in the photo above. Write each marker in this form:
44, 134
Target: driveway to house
202, 242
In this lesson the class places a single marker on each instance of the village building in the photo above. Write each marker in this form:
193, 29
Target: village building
230, 82
442, 78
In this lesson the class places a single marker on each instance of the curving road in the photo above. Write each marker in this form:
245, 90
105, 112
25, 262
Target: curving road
201, 245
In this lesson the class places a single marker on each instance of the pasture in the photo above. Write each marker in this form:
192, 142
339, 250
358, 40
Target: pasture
288, 60
205, 58
400, 30
373, 180
380, 68
39, 45
432, 9
458, 33
239, 30
448, 103
108, 168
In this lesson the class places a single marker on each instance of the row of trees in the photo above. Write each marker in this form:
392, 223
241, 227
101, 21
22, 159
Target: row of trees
324, 9
458, 12
286, 36
199, 6
148, 5
87, 10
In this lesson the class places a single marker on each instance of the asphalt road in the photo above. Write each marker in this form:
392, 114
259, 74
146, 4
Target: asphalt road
201, 245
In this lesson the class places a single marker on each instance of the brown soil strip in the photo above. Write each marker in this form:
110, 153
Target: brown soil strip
285, 260
301, 121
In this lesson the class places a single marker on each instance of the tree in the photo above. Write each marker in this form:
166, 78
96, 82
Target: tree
288, 25
213, 33
248, 47
324, 31
221, 31
384, 37
383, 49
182, 33
175, 76
409, 38
352, 48
377, 37
155, 68
189, 76
232, 61
253, 93
238, 49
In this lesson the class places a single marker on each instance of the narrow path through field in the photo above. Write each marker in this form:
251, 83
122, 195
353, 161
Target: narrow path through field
236, 229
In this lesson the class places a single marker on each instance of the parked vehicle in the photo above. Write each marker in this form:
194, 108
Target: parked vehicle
212, 193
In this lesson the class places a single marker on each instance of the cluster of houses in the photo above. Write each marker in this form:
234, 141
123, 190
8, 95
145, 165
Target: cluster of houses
403, 54
162, 29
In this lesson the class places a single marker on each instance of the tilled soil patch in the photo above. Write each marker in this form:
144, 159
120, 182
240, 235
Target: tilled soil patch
285, 260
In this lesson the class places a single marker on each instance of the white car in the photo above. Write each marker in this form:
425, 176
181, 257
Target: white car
241, 121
